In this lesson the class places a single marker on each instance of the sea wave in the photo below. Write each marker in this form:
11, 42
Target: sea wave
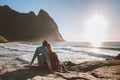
19, 47
65, 51
111, 48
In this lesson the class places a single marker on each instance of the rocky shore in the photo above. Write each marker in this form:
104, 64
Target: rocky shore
90, 70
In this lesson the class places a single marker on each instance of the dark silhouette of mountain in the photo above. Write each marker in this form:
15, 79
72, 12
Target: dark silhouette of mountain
15, 26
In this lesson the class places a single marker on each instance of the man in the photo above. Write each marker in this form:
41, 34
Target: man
42, 57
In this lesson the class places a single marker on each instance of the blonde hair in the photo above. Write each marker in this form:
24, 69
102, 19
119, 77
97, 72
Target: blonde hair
49, 47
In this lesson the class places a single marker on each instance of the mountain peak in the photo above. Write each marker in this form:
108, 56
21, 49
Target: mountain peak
32, 13
6, 6
41, 12
16, 26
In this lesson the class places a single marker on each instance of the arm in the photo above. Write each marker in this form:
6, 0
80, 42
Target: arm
49, 62
32, 62
34, 56
49, 66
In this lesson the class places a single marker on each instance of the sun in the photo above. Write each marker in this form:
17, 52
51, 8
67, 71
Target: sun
96, 27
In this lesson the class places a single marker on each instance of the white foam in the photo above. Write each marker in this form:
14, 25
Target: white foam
65, 52
20, 47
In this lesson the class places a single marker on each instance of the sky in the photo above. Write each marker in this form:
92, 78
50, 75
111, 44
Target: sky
73, 16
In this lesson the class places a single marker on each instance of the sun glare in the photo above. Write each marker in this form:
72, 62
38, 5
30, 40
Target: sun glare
96, 27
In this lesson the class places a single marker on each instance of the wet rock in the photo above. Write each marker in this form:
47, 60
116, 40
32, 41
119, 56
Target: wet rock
117, 57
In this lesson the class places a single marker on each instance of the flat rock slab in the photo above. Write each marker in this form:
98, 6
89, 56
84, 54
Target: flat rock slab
91, 70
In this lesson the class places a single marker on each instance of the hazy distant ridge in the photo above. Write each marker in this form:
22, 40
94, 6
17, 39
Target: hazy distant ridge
16, 26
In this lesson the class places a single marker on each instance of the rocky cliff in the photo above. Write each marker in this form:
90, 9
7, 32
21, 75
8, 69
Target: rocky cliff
15, 26
2, 39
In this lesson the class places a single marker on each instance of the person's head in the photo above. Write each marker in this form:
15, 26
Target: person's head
45, 43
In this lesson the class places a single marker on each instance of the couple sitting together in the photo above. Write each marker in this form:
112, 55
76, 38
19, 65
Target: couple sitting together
47, 58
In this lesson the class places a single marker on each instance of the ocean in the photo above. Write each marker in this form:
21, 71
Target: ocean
77, 52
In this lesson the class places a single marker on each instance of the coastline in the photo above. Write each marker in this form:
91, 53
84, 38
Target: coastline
89, 70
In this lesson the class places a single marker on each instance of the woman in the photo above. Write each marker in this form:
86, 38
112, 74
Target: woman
56, 64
